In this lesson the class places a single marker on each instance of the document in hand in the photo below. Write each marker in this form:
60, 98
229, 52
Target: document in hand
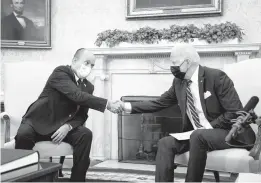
182, 136
12, 159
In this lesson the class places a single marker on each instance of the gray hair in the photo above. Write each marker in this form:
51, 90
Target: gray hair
186, 51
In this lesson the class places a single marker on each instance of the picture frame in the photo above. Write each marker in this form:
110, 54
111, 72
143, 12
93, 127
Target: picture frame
30, 27
159, 9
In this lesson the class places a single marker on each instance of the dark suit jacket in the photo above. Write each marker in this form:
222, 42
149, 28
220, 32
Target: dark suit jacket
218, 108
11, 29
62, 101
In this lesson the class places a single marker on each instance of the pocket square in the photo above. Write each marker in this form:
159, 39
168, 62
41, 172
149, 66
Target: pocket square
207, 94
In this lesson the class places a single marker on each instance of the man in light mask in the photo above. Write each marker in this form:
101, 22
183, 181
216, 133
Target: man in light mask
207, 100
61, 110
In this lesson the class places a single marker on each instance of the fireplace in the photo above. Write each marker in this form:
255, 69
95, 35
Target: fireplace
138, 134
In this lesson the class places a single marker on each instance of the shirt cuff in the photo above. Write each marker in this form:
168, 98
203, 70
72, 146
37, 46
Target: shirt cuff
70, 126
107, 104
127, 107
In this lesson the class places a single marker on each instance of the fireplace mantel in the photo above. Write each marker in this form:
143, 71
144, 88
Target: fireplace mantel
150, 50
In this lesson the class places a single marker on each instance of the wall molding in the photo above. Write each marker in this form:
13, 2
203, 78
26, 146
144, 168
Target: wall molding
164, 51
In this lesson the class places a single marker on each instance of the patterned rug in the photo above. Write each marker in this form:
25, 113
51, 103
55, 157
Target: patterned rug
122, 175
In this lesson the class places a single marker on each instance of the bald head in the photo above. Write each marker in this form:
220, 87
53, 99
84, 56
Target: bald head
183, 51
83, 62
84, 54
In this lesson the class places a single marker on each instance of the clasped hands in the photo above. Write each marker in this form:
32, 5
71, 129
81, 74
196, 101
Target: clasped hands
116, 106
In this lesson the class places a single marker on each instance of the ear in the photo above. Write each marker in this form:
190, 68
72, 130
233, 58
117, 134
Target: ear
189, 62
74, 59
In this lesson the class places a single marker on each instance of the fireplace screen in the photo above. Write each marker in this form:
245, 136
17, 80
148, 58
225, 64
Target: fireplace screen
139, 133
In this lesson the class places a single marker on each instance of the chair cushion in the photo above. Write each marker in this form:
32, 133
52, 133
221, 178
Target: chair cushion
234, 160
47, 148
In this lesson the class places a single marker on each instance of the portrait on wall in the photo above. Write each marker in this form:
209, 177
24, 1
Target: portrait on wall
156, 9
25, 23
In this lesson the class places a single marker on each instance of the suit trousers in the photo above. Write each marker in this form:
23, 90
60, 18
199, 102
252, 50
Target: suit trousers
201, 141
80, 138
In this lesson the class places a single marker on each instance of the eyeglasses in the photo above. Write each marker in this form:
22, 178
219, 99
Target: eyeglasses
186, 60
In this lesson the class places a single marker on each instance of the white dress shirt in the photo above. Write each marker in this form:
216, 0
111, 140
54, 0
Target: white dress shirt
76, 78
20, 20
195, 93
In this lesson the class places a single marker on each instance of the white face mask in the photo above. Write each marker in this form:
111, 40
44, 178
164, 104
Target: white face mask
84, 71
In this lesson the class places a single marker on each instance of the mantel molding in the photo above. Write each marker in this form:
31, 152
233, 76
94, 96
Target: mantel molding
217, 49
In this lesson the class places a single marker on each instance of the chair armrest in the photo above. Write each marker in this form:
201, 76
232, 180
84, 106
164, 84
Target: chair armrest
255, 151
5, 121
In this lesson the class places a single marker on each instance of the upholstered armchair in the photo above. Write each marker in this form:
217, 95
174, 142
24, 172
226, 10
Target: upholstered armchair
23, 82
246, 77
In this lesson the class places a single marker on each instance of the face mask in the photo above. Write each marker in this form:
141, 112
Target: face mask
84, 71
176, 71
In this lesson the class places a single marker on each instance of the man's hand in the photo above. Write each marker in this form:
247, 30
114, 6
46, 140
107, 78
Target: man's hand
60, 134
115, 106
258, 121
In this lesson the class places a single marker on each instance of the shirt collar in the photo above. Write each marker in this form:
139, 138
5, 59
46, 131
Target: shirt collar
194, 77
76, 77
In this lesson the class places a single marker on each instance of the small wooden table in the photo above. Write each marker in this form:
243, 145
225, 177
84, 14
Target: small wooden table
41, 172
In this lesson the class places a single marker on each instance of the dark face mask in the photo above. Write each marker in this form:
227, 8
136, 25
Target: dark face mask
176, 72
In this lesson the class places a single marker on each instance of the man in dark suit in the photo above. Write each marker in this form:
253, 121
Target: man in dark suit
207, 100
16, 26
61, 110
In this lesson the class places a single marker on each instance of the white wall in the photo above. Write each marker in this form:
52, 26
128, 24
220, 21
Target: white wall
76, 24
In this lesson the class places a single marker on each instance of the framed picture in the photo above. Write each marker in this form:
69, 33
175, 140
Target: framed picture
156, 9
26, 23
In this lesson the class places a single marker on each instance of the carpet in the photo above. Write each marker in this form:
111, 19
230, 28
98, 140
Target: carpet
123, 175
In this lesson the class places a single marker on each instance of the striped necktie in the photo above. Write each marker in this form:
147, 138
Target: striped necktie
191, 106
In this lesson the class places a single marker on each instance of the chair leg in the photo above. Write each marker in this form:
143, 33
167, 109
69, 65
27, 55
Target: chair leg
61, 162
216, 175
51, 159
233, 177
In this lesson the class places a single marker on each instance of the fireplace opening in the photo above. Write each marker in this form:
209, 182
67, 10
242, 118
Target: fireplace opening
138, 134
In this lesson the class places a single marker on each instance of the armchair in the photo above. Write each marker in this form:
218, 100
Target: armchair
23, 82
246, 77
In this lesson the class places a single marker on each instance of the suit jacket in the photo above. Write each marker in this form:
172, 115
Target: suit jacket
11, 29
219, 108
62, 101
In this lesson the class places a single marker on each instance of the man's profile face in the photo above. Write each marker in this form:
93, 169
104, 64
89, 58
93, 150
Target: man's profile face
18, 6
84, 66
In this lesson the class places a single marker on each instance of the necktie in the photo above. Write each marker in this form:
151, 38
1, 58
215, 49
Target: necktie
191, 106
20, 16
80, 83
